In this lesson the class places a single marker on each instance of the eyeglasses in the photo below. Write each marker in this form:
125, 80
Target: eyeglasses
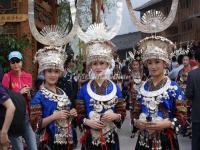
15, 61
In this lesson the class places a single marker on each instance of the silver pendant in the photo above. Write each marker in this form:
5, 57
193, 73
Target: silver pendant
99, 108
60, 104
152, 105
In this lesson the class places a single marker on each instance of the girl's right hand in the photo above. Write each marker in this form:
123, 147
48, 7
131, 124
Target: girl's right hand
95, 124
59, 115
141, 125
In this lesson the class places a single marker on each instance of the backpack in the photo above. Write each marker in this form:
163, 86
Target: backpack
17, 125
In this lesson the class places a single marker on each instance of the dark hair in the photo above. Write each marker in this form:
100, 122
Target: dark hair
174, 58
197, 54
127, 63
180, 59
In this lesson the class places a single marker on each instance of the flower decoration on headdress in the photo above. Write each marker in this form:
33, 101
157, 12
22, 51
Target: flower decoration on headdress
182, 51
98, 36
136, 55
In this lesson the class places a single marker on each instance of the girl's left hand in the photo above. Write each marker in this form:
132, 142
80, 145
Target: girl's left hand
110, 116
73, 112
159, 125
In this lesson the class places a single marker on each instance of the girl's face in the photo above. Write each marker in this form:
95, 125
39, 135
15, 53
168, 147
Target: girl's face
99, 68
51, 76
156, 67
135, 66
16, 64
186, 61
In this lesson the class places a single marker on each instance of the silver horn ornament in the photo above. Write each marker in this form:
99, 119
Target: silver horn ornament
52, 35
153, 21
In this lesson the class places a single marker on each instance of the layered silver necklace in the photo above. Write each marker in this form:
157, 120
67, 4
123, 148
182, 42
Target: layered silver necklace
102, 104
62, 99
64, 130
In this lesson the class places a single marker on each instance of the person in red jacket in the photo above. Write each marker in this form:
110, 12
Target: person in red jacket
20, 81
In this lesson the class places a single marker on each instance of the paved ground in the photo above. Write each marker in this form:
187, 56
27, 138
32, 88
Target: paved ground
127, 143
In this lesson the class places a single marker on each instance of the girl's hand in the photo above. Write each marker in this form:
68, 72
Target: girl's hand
159, 125
110, 116
141, 125
95, 124
73, 112
59, 115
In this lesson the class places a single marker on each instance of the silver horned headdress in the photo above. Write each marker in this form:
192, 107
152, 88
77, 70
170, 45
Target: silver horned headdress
54, 38
98, 36
153, 21
52, 35
154, 47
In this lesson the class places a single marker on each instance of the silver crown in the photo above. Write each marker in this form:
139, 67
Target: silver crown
50, 58
181, 51
156, 47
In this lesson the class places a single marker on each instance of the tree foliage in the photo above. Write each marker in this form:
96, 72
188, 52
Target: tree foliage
8, 44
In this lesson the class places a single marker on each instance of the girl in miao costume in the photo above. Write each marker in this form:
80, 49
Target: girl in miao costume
100, 105
51, 109
162, 102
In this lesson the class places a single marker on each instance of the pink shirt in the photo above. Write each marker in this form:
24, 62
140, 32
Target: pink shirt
17, 82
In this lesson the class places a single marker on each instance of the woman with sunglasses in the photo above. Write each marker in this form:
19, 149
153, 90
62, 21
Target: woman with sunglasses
20, 81
17, 79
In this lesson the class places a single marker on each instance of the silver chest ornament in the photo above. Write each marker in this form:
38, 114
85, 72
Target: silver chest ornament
64, 133
102, 103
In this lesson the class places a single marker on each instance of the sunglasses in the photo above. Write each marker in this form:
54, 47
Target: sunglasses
15, 61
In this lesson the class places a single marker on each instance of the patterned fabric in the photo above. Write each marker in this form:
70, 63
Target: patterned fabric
43, 105
84, 105
172, 105
168, 103
106, 88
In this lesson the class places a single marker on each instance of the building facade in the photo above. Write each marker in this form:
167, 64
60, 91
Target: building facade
14, 22
126, 43
186, 26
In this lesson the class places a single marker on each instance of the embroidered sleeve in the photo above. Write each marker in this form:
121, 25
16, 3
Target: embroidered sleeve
134, 103
36, 112
80, 107
180, 111
36, 117
120, 108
